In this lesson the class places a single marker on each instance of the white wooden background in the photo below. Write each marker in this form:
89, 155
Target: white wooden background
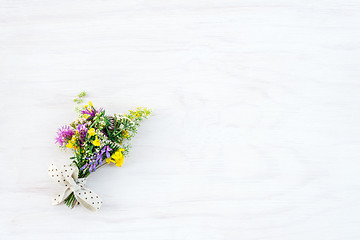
256, 127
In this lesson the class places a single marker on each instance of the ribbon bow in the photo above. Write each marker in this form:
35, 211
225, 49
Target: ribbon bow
68, 177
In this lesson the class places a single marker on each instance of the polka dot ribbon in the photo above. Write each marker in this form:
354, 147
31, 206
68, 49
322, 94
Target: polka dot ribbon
68, 177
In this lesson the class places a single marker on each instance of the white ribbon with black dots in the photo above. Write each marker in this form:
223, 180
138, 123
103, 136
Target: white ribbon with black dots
68, 177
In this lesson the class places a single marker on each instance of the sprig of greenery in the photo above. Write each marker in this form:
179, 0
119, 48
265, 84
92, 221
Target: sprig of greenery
79, 100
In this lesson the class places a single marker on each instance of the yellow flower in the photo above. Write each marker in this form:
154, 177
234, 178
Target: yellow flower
91, 132
90, 104
120, 161
69, 145
117, 158
125, 134
96, 142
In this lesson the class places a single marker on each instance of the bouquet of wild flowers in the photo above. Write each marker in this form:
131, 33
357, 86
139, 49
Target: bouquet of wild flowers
96, 139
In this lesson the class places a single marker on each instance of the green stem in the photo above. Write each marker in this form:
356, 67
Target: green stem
70, 201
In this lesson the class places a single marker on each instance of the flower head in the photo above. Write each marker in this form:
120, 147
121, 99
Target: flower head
117, 158
96, 159
106, 150
82, 130
91, 132
72, 143
90, 110
96, 142
64, 134
125, 134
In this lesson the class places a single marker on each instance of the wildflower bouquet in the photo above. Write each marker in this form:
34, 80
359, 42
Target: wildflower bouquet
96, 139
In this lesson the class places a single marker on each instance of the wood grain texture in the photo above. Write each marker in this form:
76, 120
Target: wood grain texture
255, 133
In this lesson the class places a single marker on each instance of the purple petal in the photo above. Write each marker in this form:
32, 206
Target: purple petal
99, 157
103, 150
83, 167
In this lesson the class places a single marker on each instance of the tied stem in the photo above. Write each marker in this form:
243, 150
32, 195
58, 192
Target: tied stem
71, 201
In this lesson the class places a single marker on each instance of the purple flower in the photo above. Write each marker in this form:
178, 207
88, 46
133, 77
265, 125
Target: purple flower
81, 128
96, 159
83, 167
99, 158
91, 111
64, 134
108, 149
91, 165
